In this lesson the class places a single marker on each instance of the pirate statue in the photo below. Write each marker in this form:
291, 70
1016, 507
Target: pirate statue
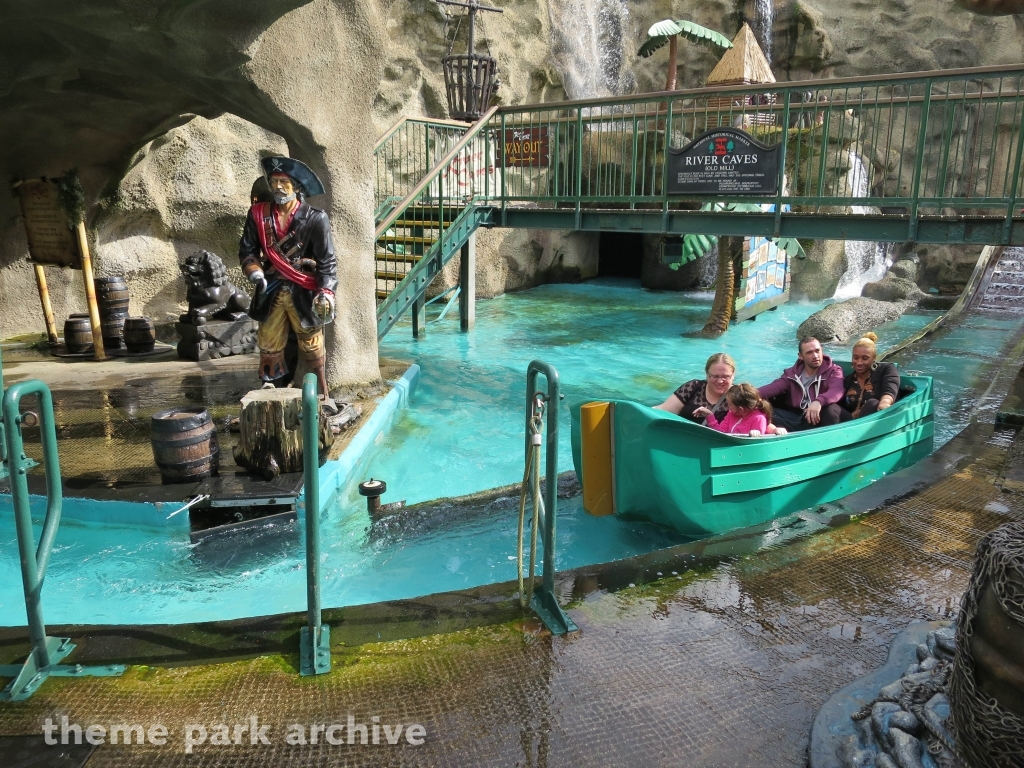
286, 251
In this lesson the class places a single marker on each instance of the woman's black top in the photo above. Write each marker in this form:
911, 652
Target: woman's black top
884, 380
693, 395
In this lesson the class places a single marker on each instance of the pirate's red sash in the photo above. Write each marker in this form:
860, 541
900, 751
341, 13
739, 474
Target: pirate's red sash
263, 217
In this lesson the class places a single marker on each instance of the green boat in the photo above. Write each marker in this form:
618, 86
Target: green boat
646, 464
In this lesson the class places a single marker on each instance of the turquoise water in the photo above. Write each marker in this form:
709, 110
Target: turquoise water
462, 433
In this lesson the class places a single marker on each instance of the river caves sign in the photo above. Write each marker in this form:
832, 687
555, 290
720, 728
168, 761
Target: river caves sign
724, 161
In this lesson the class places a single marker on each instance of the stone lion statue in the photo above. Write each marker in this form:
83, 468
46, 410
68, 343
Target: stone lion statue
211, 296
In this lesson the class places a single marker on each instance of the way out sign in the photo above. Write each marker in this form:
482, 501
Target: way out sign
525, 147
724, 161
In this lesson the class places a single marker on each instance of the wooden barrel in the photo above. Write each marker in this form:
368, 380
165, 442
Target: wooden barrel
112, 297
77, 333
185, 444
139, 334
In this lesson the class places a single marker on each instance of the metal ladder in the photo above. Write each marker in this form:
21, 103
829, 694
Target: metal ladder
544, 602
47, 652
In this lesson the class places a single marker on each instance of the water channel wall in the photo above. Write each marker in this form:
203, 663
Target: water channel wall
333, 475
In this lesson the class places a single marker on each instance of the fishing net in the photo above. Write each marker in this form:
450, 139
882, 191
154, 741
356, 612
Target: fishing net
987, 735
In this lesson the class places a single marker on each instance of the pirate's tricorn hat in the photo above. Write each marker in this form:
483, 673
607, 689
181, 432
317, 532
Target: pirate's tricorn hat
297, 170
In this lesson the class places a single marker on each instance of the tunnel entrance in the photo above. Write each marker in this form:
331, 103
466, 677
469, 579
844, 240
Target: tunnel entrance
620, 254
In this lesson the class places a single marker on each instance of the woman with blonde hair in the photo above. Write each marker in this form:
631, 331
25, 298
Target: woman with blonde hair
873, 386
708, 392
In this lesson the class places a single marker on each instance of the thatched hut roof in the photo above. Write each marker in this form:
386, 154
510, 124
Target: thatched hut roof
745, 62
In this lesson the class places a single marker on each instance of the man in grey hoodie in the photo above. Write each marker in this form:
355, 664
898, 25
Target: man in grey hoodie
807, 394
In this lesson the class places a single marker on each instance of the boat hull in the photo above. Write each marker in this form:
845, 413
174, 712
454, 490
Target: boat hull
699, 482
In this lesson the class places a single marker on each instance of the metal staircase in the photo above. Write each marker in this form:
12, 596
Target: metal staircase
942, 158
420, 233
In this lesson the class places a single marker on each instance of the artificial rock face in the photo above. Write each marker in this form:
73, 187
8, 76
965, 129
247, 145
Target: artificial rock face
91, 82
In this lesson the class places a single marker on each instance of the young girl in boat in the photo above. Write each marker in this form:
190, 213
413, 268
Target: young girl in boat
748, 413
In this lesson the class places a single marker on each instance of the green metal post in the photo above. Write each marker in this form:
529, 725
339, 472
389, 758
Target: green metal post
922, 137
782, 164
544, 603
1008, 223
664, 167
579, 165
46, 651
315, 638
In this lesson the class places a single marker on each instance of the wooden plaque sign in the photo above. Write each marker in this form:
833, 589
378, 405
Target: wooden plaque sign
525, 147
724, 161
50, 241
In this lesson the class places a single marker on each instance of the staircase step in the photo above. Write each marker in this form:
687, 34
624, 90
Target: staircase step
416, 223
390, 274
413, 239
407, 258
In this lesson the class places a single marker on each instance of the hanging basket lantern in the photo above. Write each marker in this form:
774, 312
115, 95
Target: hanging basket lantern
470, 81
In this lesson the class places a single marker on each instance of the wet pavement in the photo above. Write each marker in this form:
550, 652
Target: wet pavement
103, 410
724, 664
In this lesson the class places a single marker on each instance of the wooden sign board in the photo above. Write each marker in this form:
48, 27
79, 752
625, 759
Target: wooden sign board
724, 161
50, 240
525, 147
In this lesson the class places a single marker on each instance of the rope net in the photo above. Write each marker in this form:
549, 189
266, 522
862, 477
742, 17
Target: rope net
987, 734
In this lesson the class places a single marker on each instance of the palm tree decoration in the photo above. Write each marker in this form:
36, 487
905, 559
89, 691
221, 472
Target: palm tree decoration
730, 254
668, 31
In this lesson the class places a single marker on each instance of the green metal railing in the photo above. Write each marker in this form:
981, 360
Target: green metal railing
315, 637
544, 602
47, 652
444, 202
933, 143
407, 152
926, 157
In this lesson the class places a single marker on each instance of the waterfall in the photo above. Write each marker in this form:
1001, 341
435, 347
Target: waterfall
588, 39
866, 262
765, 24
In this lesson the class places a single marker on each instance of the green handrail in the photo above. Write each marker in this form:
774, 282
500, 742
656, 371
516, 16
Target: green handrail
935, 145
406, 152
315, 637
43, 660
544, 602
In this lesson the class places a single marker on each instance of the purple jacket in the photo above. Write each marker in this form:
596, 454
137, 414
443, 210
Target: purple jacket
826, 387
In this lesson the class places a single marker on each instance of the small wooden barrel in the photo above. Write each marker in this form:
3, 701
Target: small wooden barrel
139, 334
185, 444
113, 332
77, 333
112, 297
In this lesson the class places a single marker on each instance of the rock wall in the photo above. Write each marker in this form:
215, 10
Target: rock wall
86, 84
101, 89
517, 259
188, 190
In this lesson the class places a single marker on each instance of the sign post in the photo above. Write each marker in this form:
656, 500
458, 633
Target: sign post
53, 240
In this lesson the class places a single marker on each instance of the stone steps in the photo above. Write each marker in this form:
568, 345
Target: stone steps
1005, 292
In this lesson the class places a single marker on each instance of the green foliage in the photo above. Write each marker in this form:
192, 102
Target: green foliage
658, 36
71, 197
698, 246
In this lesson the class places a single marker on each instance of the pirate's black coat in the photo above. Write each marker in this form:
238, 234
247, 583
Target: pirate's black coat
311, 230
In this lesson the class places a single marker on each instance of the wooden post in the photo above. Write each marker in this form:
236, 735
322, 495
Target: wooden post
44, 299
90, 294
467, 284
419, 318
